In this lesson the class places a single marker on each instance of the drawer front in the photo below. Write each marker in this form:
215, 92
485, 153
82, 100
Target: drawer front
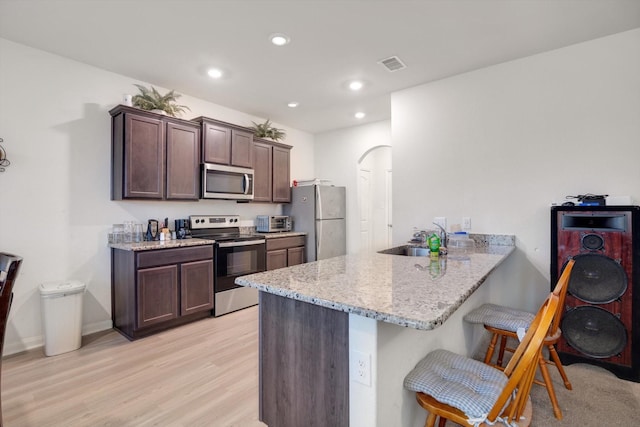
174, 256
284, 242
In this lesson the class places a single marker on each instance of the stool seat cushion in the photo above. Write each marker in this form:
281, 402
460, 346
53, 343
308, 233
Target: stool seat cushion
458, 381
498, 316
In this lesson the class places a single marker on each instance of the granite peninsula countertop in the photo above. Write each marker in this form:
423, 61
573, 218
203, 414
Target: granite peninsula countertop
161, 244
415, 292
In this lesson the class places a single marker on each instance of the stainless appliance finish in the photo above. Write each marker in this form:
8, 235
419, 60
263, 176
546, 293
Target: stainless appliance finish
234, 255
320, 211
273, 223
226, 182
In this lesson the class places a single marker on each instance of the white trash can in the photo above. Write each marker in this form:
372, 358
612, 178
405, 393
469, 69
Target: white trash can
62, 316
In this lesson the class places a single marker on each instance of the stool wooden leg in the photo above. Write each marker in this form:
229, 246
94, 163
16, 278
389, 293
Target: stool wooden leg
490, 349
550, 390
503, 344
442, 422
553, 355
431, 420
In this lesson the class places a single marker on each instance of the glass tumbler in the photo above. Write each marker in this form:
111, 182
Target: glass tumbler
118, 233
138, 233
128, 231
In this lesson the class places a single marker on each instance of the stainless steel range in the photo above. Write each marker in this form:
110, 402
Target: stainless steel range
235, 254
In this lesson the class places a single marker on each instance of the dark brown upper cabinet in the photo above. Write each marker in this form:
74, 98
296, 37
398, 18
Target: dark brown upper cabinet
271, 171
226, 144
153, 156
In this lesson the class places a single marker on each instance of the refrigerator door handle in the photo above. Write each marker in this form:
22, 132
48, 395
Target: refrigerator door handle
318, 239
318, 202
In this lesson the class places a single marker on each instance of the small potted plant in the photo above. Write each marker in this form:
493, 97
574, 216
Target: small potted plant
265, 130
152, 100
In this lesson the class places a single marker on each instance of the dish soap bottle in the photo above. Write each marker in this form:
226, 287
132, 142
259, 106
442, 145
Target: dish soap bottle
434, 244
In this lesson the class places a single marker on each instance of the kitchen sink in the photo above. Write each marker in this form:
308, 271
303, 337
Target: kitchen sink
416, 251
406, 251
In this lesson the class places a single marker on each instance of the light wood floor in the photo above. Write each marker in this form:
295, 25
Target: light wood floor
201, 374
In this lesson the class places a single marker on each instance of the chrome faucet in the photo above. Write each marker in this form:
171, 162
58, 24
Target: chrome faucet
423, 235
444, 240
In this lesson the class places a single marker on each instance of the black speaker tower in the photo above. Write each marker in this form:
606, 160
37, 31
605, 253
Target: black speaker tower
601, 321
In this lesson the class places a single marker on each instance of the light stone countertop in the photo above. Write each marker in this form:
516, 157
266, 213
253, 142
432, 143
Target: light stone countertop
161, 244
415, 292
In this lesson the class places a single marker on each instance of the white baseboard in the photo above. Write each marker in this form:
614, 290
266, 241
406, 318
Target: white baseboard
35, 342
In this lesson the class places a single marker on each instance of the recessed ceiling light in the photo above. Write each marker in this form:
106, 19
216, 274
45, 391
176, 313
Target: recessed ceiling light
355, 85
292, 104
279, 39
214, 73
359, 115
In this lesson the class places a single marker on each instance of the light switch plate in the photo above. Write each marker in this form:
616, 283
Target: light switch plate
466, 223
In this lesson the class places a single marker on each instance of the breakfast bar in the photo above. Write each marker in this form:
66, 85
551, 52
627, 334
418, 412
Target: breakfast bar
338, 336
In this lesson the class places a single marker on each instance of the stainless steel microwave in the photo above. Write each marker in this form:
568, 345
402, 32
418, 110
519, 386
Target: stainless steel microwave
226, 182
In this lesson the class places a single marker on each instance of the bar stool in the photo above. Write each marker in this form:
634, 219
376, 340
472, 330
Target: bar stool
504, 322
9, 266
467, 391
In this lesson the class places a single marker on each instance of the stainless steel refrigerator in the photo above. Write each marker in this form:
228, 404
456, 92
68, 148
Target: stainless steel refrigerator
319, 211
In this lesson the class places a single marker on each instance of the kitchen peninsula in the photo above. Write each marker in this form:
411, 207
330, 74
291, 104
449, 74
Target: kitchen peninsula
338, 336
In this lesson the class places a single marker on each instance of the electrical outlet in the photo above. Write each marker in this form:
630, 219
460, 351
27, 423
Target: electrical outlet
441, 221
466, 223
361, 367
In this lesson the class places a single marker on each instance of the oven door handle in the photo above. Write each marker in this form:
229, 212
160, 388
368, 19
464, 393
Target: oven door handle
245, 243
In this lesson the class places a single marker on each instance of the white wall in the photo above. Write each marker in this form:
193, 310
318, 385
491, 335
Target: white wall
336, 158
501, 143
55, 207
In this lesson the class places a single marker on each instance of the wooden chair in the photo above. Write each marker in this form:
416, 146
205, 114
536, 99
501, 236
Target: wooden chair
467, 391
504, 322
9, 266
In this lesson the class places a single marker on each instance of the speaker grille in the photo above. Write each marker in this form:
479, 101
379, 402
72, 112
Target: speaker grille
594, 331
597, 279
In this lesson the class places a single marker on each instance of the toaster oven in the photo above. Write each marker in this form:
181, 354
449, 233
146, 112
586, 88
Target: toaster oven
273, 223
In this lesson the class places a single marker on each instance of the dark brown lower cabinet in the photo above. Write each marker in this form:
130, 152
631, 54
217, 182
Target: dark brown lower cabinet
285, 251
157, 292
159, 289
304, 364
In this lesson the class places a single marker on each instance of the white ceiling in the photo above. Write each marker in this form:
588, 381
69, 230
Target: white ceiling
171, 44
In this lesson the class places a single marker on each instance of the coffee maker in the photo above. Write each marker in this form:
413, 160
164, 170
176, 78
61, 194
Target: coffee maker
183, 230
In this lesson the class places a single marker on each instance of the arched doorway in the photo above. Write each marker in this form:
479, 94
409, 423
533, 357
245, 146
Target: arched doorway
374, 199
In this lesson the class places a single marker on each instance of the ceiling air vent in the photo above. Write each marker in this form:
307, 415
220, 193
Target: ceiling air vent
392, 64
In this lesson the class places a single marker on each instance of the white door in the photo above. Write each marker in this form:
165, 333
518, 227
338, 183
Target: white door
364, 203
374, 199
